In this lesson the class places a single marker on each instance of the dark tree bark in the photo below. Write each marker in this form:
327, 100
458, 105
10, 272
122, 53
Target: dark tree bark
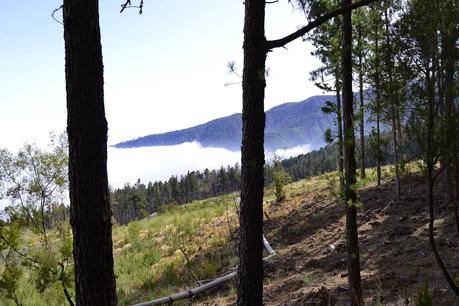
431, 161
456, 206
250, 286
87, 134
450, 139
350, 195
361, 106
378, 110
449, 58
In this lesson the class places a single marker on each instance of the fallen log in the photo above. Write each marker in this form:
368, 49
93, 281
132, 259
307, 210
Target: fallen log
200, 289
190, 293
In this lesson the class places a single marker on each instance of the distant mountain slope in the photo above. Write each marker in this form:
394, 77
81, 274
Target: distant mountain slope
287, 125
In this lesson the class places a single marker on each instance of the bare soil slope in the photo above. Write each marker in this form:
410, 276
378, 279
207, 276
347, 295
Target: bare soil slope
307, 232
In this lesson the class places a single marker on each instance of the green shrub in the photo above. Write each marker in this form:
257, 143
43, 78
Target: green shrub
170, 276
424, 298
307, 280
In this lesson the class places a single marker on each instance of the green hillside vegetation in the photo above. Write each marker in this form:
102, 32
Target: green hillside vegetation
186, 244
155, 257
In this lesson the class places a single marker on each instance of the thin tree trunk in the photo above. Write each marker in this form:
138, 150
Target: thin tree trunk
432, 242
378, 144
393, 105
401, 140
43, 222
456, 206
250, 285
378, 110
450, 139
430, 163
68, 297
350, 196
87, 134
396, 160
340, 136
454, 132
362, 109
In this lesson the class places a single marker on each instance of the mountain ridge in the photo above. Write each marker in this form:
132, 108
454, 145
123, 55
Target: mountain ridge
288, 125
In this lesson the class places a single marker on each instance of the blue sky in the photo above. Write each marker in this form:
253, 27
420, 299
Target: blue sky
164, 70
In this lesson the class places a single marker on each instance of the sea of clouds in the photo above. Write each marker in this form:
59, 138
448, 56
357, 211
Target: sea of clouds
150, 164
160, 163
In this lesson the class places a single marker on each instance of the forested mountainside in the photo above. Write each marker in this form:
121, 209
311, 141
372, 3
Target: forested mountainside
287, 125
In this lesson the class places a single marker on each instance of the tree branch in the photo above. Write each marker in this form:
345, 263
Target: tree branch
17, 251
55, 11
127, 4
271, 44
123, 6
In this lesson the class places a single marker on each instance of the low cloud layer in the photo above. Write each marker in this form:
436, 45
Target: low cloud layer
159, 163
291, 152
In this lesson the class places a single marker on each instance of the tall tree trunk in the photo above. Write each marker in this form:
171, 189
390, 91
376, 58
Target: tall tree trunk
378, 112
430, 166
450, 139
393, 108
395, 148
340, 136
361, 108
250, 286
350, 195
401, 140
456, 206
87, 134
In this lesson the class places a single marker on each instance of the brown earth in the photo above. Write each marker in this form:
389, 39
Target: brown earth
310, 268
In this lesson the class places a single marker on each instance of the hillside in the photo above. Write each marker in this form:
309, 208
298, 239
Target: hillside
287, 125
183, 246
307, 232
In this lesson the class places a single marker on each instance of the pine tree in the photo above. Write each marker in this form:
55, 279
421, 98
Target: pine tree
87, 134
420, 29
350, 195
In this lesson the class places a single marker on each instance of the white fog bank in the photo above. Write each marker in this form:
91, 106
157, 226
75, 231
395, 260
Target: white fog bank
160, 163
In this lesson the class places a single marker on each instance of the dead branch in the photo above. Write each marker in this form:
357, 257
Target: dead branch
200, 289
188, 263
54, 12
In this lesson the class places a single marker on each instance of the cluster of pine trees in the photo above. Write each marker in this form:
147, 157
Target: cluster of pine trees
406, 52
139, 200
136, 201
133, 202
